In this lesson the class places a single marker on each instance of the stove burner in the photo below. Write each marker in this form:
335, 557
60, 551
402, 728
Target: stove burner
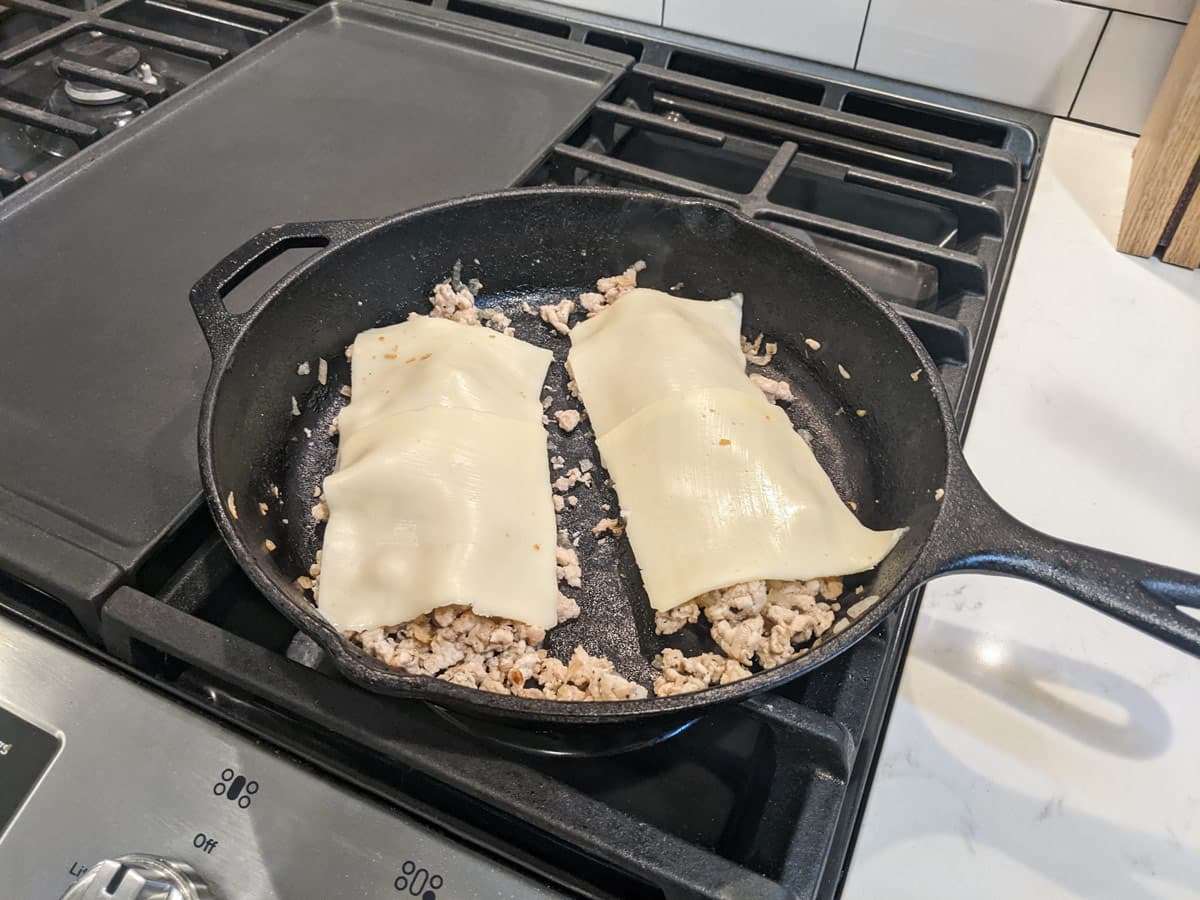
95, 48
100, 95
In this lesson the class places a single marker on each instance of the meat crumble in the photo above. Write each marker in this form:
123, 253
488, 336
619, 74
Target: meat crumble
753, 622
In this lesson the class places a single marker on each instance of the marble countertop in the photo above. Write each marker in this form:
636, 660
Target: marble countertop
1038, 749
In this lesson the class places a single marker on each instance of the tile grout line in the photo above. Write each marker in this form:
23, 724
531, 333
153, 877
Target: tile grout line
1088, 67
1129, 12
861, 35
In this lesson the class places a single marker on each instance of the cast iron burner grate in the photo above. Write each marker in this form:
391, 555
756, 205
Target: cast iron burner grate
180, 41
921, 196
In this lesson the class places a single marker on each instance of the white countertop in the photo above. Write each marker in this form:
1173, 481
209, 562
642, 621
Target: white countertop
1038, 749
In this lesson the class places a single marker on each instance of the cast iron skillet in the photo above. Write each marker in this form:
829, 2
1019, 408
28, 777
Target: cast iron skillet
542, 244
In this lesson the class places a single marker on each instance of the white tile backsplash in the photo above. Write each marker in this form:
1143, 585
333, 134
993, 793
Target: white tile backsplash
1178, 10
1029, 53
1129, 65
811, 29
638, 10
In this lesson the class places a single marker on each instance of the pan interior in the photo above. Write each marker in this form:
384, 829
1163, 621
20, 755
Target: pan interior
539, 249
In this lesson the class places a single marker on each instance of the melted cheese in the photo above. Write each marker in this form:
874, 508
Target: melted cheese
442, 491
716, 485
428, 362
651, 344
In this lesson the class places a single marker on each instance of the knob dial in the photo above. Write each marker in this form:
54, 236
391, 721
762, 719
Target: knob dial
139, 876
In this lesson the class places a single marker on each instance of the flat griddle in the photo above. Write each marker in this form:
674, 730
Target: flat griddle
354, 111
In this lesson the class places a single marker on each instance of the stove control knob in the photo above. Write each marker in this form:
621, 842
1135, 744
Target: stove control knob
138, 876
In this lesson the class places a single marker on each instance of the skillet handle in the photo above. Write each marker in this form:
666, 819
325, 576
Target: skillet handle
974, 534
221, 327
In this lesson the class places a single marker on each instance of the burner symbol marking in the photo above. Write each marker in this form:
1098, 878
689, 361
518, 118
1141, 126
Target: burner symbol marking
236, 787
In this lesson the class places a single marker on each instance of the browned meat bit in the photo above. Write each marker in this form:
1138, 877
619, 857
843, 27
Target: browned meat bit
333, 426
566, 608
567, 566
751, 351
739, 640
304, 368
231, 503
672, 620
775, 391
498, 321
263, 509
557, 462
556, 315
685, 674
458, 306
558, 503
594, 675
320, 510
761, 620
568, 419
609, 289
575, 475
613, 525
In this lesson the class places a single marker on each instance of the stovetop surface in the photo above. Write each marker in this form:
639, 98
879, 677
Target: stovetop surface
919, 194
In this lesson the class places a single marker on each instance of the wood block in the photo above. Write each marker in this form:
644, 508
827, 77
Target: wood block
1184, 249
1166, 154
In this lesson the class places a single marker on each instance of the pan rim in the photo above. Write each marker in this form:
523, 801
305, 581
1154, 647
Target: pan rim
366, 671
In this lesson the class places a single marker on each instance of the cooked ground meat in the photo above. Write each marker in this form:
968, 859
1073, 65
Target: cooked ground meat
556, 315
684, 674
613, 525
609, 289
574, 476
775, 391
568, 419
458, 306
567, 566
751, 351
759, 622
496, 655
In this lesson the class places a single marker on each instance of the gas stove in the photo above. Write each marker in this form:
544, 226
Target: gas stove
140, 141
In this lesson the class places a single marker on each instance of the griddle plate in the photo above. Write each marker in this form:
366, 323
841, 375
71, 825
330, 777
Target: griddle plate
352, 112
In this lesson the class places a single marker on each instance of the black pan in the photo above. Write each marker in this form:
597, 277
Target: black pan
539, 245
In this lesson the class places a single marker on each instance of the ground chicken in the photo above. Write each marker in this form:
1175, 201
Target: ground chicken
739, 640
568, 419
559, 504
684, 674
564, 483
498, 321
773, 390
609, 289
458, 306
556, 315
567, 566
613, 525
672, 620
566, 608
758, 621
751, 351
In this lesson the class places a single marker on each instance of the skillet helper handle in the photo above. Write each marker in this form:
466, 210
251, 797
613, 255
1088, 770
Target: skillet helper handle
221, 327
1143, 594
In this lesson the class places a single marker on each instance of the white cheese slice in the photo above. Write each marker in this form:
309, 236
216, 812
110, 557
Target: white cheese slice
428, 362
442, 490
439, 506
718, 488
651, 344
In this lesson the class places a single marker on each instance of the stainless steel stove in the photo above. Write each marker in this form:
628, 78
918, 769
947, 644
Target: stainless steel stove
155, 711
